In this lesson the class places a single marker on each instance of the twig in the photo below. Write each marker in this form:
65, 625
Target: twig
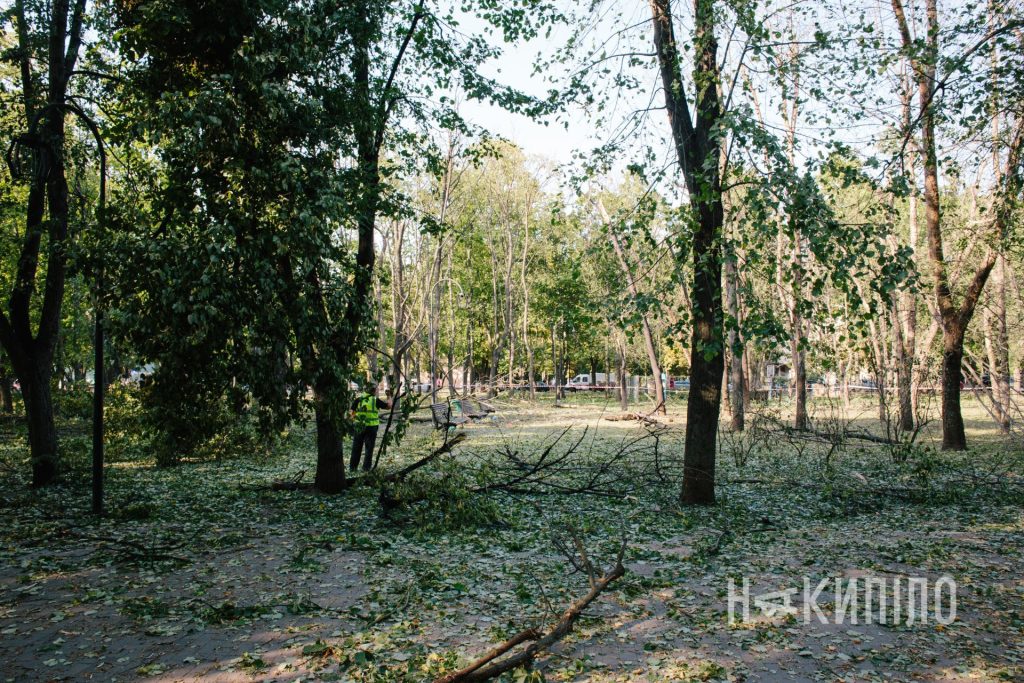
491, 665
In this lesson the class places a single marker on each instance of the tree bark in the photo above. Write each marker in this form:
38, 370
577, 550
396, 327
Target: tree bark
908, 387
6, 394
799, 373
954, 319
996, 338
330, 457
622, 381
953, 435
434, 307
450, 357
496, 338
530, 370
32, 351
1000, 370
698, 151
904, 372
797, 353
42, 431
737, 395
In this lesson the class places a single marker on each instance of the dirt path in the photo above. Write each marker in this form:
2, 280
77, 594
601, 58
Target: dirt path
288, 586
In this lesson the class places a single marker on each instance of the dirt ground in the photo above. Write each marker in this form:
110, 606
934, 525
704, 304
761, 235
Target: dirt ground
197, 575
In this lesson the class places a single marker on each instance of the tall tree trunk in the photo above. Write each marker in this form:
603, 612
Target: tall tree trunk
30, 348
451, 328
6, 393
799, 372
737, 396
557, 360
797, 353
42, 431
510, 340
645, 323
698, 151
622, 379
496, 336
953, 437
751, 374
398, 299
467, 368
345, 343
996, 336
954, 318
330, 457
530, 371
908, 387
1001, 381
997, 345
879, 338
434, 318
372, 355
904, 371
434, 311
492, 378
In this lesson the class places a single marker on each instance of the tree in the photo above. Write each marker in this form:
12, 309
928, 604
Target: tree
49, 34
924, 56
310, 120
627, 272
698, 149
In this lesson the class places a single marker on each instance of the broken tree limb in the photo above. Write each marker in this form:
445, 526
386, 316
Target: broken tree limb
518, 639
492, 664
388, 499
446, 447
646, 419
296, 483
486, 668
136, 551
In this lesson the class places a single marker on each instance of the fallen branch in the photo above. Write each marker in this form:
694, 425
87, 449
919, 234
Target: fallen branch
842, 435
295, 483
491, 665
388, 499
134, 551
646, 419
446, 447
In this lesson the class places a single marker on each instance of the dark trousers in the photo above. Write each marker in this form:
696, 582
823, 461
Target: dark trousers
364, 440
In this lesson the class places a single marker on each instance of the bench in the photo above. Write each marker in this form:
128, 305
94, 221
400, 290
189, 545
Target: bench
474, 408
441, 414
470, 408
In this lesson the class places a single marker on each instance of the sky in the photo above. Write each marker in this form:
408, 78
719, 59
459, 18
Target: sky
558, 143
553, 140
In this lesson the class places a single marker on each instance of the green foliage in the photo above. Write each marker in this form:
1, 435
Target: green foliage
264, 141
439, 502
125, 423
74, 402
228, 611
145, 608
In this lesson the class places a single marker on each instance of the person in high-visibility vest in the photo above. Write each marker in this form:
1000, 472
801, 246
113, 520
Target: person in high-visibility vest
366, 414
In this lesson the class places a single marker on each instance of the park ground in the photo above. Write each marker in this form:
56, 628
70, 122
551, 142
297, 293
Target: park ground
202, 573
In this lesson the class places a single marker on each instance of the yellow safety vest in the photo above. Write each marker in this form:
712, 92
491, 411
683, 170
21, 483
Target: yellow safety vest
366, 411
